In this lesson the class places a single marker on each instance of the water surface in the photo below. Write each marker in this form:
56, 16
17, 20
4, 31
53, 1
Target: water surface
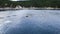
30, 22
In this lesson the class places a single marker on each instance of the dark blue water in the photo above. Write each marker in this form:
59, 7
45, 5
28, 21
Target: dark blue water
32, 22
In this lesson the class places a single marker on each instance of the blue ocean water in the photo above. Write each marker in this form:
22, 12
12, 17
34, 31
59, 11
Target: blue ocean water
30, 22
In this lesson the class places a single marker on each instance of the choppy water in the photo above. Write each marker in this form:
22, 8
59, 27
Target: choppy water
30, 22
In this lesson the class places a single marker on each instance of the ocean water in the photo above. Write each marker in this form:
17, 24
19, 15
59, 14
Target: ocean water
30, 22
